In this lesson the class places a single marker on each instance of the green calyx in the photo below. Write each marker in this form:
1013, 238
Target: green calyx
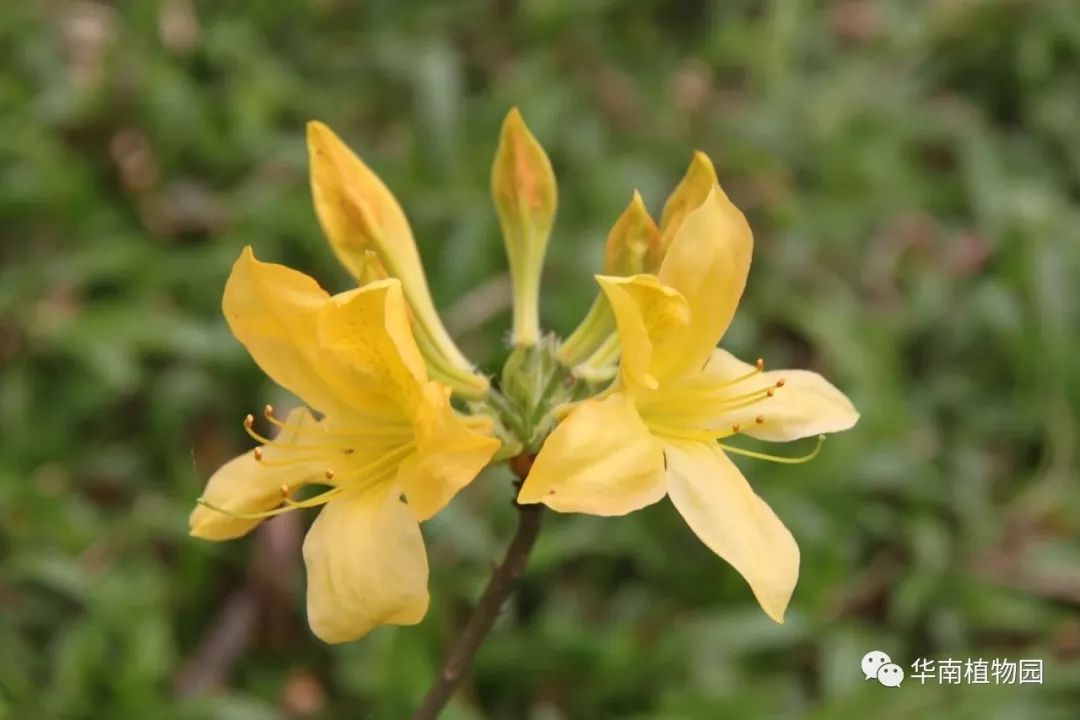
533, 384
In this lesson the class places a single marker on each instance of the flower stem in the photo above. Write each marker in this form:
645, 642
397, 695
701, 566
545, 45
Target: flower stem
503, 581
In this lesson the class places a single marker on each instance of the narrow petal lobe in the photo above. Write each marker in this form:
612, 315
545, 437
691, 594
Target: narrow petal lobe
721, 508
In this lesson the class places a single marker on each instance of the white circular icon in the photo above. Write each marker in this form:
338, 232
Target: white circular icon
872, 662
890, 675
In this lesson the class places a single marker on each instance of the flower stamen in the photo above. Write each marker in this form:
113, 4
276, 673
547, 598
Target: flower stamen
776, 458
377, 471
380, 427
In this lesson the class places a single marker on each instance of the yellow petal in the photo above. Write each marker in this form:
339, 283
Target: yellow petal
244, 485
648, 315
368, 329
272, 310
600, 460
721, 508
359, 214
688, 195
729, 392
449, 455
805, 404
708, 262
525, 196
633, 236
366, 565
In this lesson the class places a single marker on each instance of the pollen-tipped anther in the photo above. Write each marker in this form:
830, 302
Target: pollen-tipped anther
249, 421
258, 453
735, 428
780, 382
329, 474
759, 419
770, 392
760, 364
268, 410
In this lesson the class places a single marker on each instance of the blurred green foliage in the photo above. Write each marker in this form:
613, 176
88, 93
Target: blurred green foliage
912, 172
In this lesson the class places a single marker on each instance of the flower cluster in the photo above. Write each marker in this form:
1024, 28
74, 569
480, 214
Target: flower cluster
638, 403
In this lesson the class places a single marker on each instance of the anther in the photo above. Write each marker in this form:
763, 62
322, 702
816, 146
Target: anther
249, 421
258, 453
735, 428
770, 392
268, 411
780, 382
759, 419
284, 491
329, 474
760, 364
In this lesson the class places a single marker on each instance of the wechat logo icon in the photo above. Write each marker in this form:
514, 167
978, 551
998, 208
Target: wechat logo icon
877, 665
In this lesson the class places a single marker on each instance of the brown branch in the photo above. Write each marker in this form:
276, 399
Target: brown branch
502, 583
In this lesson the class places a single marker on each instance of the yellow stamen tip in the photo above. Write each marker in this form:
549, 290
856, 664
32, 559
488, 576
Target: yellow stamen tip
284, 491
780, 382
760, 363
329, 474
258, 453
769, 392
249, 421
759, 419
735, 428
268, 411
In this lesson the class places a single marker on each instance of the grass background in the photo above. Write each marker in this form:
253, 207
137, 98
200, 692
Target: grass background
912, 173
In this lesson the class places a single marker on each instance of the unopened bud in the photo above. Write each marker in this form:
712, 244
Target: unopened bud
632, 238
370, 235
524, 191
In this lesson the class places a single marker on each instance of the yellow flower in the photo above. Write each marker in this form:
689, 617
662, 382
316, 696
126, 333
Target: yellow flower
657, 431
386, 431
370, 235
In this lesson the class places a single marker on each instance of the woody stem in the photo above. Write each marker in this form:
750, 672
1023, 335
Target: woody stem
503, 581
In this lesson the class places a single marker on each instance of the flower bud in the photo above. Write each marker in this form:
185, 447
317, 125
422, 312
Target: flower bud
524, 191
633, 238
361, 218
